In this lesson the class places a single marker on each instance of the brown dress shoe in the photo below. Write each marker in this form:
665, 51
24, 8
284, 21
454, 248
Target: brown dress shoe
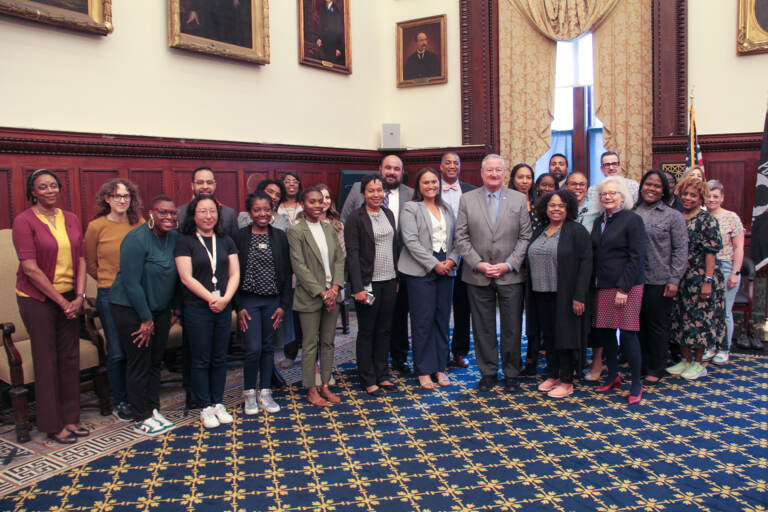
461, 361
313, 397
329, 395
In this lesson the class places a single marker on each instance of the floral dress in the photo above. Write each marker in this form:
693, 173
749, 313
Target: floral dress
699, 323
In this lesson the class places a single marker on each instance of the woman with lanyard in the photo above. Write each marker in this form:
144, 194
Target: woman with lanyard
209, 268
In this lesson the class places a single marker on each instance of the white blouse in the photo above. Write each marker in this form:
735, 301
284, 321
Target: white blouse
439, 232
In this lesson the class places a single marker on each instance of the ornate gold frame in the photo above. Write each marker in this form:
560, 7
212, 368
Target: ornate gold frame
308, 60
257, 54
751, 38
97, 21
406, 25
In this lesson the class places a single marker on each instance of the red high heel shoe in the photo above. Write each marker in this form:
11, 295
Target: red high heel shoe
615, 383
635, 399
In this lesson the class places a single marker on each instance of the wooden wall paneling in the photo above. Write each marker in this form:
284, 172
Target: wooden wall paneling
227, 189
91, 181
733, 176
6, 210
252, 179
182, 191
670, 67
151, 183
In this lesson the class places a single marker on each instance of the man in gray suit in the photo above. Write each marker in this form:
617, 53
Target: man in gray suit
493, 230
397, 194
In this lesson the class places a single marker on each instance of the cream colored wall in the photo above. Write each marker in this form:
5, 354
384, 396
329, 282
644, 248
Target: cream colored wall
730, 90
131, 83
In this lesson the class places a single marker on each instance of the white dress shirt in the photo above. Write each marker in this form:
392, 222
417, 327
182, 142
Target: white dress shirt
452, 198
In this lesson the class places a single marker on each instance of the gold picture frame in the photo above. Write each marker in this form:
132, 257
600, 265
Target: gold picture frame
324, 40
233, 29
753, 27
421, 52
94, 16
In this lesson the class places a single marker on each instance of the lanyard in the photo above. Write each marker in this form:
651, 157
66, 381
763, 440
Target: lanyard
211, 257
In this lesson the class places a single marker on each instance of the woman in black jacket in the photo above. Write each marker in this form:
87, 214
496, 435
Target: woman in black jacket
618, 244
371, 240
559, 268
263, 298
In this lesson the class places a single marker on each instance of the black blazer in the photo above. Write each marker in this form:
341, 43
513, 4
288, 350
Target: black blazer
574, 269
619, 251
466, 187
361, 246
280, 253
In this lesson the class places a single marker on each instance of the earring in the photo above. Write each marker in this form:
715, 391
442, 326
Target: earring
177, 224
151, 223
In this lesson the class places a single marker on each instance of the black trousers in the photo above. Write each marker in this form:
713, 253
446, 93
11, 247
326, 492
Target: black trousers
461, 316
142, 363
373, 333
560, 362
654, 329
399, 344
630, 346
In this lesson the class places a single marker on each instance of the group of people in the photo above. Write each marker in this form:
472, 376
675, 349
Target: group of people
582, 261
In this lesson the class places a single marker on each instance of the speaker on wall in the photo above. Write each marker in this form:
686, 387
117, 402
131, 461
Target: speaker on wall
390, 136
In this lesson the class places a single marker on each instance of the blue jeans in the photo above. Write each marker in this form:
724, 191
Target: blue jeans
259, 340
726, 267
208, 336
115, 353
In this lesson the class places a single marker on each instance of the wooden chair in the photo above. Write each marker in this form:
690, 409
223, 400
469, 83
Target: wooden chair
743, 303
16, 368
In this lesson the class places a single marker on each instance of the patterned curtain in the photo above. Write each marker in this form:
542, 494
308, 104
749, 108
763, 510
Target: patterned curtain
529, 30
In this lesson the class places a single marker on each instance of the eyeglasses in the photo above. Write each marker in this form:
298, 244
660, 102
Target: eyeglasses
577, 184
121, 197
205, 182
610, 164
610, 193
165, 213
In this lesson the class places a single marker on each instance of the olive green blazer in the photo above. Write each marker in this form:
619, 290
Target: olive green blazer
307, 263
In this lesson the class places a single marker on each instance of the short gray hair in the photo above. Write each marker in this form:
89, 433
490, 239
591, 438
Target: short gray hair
492, 156
621, 186
715, 185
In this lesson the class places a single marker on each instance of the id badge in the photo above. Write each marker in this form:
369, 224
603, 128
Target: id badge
216, 293
262, 247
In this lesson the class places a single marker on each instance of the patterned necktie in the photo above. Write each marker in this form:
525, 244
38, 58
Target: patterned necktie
492, 208
386, 199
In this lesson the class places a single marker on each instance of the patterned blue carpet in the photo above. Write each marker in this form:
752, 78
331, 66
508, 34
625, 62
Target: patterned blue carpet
689, 446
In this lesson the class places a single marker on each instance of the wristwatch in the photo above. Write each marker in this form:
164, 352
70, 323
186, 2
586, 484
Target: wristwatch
709, 279
81, 295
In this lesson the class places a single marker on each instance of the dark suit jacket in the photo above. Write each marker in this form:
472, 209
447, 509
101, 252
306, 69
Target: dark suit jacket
574, 270
332, 32
228, 220
466, 187
361, 246
619, 252
426, 67
281, 255
355, 200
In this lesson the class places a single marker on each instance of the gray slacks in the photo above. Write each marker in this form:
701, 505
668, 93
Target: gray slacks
482, 303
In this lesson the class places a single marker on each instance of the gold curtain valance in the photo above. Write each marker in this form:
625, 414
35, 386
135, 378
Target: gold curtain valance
563, 20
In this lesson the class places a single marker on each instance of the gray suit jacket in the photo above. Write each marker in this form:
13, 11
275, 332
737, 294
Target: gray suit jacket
307, 264
416, 258
355, 200
478, 242
228, 220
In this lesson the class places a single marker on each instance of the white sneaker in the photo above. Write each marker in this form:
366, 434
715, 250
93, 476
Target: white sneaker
165, 422
721, 357
251, 402
709, 354
208, 417
694, 371
149, 427
222, 415
266, 402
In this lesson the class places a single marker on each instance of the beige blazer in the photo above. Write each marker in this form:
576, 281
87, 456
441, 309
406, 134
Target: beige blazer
307, 263
479, 241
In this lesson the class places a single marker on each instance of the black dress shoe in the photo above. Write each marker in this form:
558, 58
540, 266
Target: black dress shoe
401, 366
277, 381
461, 361
756, 344
67, 439
529, 371
510, 384
378, 392
388, 387
486, 383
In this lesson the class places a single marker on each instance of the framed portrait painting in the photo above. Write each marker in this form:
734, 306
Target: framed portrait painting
233, 29
93, 16
421, 52
753, 26
324, 35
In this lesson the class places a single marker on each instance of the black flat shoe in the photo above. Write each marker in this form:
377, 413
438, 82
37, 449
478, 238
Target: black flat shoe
79, 432
378, 392
68, 439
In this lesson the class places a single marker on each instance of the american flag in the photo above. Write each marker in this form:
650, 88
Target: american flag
693, 151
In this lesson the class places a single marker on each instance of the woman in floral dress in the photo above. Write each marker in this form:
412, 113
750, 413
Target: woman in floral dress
699, 309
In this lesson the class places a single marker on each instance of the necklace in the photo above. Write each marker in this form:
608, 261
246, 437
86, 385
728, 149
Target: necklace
51, 218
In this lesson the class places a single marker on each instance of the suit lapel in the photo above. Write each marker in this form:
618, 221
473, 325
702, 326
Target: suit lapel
483, 204
427, 217
309, 237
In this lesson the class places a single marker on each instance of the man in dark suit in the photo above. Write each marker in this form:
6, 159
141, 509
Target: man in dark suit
422, 63
493, 230
397, 194
204, 184
331, 40
453, 188
558, 167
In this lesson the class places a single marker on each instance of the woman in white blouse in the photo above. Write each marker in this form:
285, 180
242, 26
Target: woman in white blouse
428, 259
